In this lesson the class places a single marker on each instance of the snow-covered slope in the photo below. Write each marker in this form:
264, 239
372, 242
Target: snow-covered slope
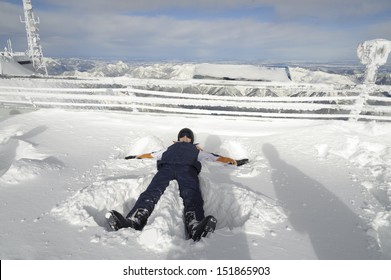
102, 70
301, 75
241, 72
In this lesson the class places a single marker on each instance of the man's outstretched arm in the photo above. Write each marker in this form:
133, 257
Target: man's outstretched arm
227, 160
140, 156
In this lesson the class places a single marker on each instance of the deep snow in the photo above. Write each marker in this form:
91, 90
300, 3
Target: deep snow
312, 189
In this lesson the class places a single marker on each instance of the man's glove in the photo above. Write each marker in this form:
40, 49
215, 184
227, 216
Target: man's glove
130, 157
240, 162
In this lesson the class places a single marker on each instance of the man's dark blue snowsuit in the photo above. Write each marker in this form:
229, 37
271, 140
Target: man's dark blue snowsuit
179, 162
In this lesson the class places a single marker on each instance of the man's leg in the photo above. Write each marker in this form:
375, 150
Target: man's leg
149, 198
189, 188
196, 224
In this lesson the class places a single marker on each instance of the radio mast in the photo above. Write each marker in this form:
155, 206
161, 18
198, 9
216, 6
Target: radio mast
33, 40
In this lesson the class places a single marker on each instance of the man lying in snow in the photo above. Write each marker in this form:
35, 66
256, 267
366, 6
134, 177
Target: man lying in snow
182, 162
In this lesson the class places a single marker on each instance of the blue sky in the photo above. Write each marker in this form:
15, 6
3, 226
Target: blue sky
203, 30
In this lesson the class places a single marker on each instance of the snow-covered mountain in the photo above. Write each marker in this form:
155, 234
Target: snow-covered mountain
300, 72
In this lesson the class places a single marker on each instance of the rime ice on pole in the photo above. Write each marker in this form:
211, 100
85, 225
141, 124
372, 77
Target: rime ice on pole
373, 54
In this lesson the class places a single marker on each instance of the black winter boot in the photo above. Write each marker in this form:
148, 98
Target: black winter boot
136, 221
117, 221
139, 218
196, 229
190, 221
207, 225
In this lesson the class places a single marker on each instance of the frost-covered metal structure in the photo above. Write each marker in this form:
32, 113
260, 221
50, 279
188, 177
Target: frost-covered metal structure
33, 40
373, 54
282, 100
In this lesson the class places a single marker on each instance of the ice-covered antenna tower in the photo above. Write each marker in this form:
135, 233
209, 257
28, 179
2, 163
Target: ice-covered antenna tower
33, 40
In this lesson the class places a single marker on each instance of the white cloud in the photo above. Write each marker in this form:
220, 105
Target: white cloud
331, 9
284, 8
110, 31
379, 30
9, 19
11, 27
164, 37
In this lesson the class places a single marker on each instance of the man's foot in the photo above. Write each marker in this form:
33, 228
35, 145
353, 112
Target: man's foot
139, 218
207, 225
196, 229
136, 221
116, 220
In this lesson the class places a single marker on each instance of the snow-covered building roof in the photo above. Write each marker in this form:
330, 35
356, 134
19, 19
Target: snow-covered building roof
10, 67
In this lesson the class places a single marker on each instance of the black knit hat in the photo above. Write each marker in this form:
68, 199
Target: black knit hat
186, 132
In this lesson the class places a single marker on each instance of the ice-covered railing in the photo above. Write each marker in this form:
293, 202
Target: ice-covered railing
335, 103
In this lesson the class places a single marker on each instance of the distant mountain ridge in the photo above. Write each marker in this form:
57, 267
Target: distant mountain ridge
306, 72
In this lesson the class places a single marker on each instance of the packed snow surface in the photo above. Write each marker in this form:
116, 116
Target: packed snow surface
312, 189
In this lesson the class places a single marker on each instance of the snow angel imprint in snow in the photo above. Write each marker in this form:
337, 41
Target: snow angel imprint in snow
181, 162
20, 158
232, 204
